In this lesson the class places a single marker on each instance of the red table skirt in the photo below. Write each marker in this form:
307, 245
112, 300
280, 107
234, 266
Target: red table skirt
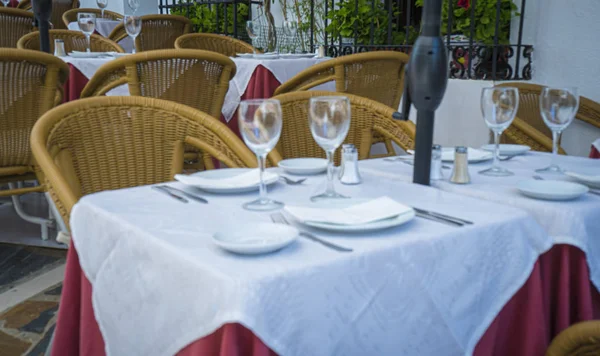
594, 153
557, 294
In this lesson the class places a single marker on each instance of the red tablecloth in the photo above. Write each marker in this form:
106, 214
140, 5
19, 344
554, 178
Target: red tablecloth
594, 153
557, 294
13, 3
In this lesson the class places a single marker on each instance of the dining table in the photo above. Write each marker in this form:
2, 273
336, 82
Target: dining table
145, 277
104, 27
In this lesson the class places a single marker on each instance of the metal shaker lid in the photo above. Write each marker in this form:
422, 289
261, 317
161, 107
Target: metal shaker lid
461, 149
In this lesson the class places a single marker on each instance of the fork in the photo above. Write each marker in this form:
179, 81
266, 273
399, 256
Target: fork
595, 192
278, 218
505, 158
291, 181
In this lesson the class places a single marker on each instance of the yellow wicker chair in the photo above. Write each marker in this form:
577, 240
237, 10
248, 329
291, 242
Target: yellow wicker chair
581, 339
24, 5
14, 24
377, 75
158, 32
103, 143
71, 15
59, 7
225, 45
369, 118
74, 41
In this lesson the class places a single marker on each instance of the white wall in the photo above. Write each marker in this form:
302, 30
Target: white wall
120, 6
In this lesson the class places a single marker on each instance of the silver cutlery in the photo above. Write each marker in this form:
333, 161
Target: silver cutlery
279, 218
411, 163
438, 219
169, 193
443, 216
176, 191
506, 158
291, 181
591, 191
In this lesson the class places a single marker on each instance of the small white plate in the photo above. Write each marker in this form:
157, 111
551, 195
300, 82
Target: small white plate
552, 189
590, 181
474, 155
254, 239
245, 55
118, 55
87, 54
296, 55
218, 174
508, 149
266, 56
306, 166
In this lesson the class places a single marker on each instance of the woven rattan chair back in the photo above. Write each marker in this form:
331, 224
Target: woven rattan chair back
59, 7
158, 32
14, 24
225, 45
24, 5
582, 339
74, 41
369, 118
71, 15
28, 87
103, 143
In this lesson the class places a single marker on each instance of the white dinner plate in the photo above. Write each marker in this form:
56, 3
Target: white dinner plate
218, 174
552, 189
257, 238
117, 54
508, 149
306, 166
474, 155
245, 55
297, 55
87, 54
590, 181
266, 56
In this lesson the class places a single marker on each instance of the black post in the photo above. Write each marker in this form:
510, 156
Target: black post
42, 10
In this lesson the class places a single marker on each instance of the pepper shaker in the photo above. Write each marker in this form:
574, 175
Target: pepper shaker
59, 48
460, 172
349, 168
436, 163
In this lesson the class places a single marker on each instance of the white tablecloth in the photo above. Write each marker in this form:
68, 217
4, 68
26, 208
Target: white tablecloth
424, 288
104, 27
89, 66
597, 144
574, 222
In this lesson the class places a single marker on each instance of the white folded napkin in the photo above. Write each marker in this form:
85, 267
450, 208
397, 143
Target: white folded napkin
247, 179
473, 154
596, 144
359, 214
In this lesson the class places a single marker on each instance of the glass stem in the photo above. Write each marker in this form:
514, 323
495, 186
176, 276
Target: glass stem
133, 49
89, 45
555, 136
261, 165
496, 148
330, 168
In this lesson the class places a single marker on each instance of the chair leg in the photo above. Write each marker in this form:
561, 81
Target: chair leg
46, 224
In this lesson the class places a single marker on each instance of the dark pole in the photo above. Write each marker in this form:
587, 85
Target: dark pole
427, 77
42, 10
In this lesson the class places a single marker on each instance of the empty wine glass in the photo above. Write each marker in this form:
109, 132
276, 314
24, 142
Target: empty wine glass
87, 25
252, 27
499, 106
102, 4
133, 5
5, 2
558, 107
329, 121
289, 30
133, 26
260, 126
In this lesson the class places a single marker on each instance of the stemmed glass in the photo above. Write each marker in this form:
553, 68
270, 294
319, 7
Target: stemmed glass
289, 30
87, 25
133, 26
499, 106
102, 4
5, 2
329, 121
252, 27
260, 125
133, 5
558, 107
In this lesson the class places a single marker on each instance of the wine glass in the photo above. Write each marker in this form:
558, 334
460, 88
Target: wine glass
329, 121
289, 30
260, 126
133, 5
5, 2
87, 25
499, 106
102, 4
558, 107
252, 27
133, 26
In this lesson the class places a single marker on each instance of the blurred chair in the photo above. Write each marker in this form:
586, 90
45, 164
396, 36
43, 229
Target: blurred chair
59, 7
74, 41
158, 32
225, 45
14, 24
369, 118
376, 75
196, 78
24, 5
577, 340
28, 85
71, 15
104, 143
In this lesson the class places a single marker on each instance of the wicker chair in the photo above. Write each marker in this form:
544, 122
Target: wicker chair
14, 24
578, 340
103, 143
71, 15
368, 119
158, 32
225, 45
377, 75
24, 5
59, 7
74, 41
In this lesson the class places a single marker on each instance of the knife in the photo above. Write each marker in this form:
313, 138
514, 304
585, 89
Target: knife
197, 198
166, 191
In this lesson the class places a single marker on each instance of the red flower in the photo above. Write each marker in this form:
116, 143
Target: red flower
464, 4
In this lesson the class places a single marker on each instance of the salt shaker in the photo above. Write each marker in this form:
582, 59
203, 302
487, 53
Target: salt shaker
436, 163
59, 48
321, 52
349, 168
460, 173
